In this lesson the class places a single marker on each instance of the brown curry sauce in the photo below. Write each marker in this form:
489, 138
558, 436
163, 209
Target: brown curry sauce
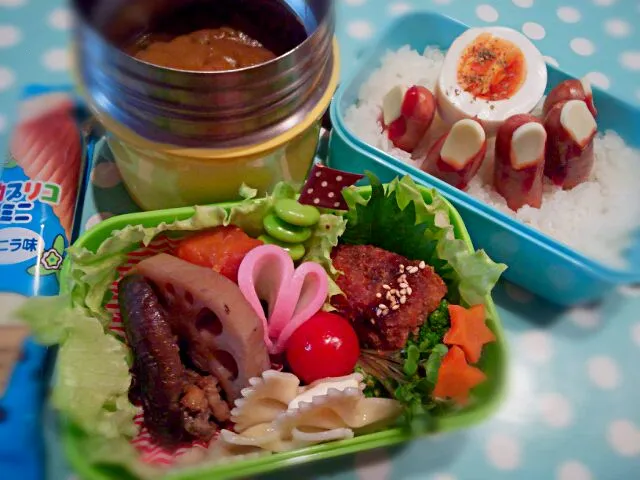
211, 49
218, 36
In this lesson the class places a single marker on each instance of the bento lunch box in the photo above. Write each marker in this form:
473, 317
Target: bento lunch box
489, 394
536, 261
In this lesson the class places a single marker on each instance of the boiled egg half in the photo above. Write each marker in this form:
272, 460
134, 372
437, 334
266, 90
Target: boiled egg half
490, 74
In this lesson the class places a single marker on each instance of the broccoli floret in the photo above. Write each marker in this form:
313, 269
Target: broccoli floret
411, 385
439, 319
434, 328
428, 339
422, 356
373, 387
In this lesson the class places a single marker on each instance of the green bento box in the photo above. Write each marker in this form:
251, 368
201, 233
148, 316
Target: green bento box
488, 395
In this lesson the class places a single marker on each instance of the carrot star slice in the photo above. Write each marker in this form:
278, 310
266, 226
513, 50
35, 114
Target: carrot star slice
468, 330
456, 377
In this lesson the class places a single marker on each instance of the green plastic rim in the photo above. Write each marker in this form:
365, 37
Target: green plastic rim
488, 395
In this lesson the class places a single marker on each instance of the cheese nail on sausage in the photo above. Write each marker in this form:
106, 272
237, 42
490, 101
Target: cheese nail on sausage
571, 90
407, 115
456, 157
571, 129
519, 161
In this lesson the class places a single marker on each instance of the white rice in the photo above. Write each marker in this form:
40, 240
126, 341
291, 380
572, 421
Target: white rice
597, 218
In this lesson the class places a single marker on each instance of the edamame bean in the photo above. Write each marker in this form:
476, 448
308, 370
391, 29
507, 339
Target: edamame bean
285, 232
295, 250
290, 211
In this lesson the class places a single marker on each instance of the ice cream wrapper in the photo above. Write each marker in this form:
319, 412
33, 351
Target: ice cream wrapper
39, 185
41, 180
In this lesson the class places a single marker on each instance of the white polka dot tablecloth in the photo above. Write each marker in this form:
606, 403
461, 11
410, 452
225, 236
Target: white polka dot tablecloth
573, 407
596, 38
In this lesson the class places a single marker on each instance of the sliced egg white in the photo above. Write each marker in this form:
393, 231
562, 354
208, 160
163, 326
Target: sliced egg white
454, 103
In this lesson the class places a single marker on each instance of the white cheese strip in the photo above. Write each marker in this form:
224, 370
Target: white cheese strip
528, 144
577, 120
392, 104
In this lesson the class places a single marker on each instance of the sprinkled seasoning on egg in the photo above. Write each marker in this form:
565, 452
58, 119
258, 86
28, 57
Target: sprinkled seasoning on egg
490, 74
491, 68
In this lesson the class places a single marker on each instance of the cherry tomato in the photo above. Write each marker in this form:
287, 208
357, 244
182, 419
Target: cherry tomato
324, 346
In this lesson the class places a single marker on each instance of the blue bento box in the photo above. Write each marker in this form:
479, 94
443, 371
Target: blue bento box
536, 262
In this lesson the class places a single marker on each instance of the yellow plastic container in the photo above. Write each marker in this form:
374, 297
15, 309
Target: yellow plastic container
160, 176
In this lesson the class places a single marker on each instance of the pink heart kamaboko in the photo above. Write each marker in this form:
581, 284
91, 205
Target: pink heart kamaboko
292, 294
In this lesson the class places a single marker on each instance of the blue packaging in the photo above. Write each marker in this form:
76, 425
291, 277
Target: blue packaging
39, 186
41, 180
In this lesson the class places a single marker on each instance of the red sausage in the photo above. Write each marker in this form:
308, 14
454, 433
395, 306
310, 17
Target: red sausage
417, 112
519, 161
456, 156
569, 154
571, 90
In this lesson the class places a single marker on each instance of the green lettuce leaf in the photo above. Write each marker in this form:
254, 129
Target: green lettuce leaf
472, 274
48, 318
247, 192
92, 372
118, 455
98, 390
318, 249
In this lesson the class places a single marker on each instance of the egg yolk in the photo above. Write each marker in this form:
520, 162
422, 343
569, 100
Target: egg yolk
491, 68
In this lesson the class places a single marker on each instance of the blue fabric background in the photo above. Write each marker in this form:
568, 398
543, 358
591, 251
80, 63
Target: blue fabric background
573, 408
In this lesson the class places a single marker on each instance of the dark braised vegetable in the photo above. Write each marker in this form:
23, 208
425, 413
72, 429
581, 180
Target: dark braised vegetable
196, 342
221, 333
161, 383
